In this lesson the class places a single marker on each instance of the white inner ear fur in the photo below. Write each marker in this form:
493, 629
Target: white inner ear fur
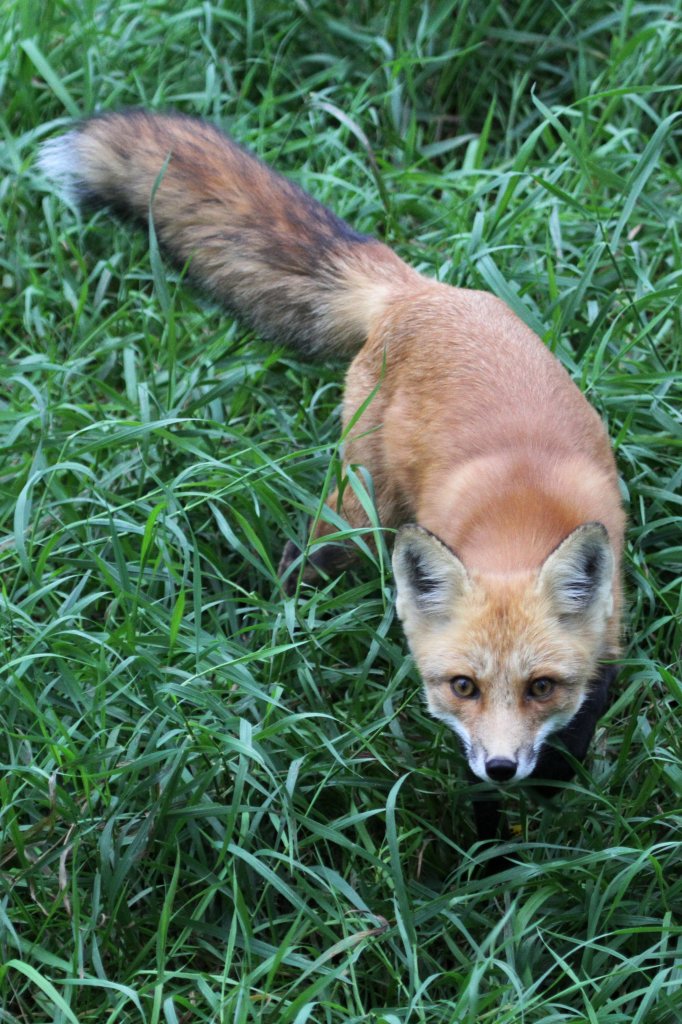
429, 577
577, 577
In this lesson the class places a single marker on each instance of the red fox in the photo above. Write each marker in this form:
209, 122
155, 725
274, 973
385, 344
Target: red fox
484, 455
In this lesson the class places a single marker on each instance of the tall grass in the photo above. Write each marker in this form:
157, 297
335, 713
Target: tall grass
220, 804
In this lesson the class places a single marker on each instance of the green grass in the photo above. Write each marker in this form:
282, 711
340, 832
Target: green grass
218, 804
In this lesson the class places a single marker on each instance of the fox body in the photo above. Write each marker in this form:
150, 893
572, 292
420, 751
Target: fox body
483, 453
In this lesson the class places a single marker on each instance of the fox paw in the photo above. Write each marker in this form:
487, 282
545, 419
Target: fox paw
327, 560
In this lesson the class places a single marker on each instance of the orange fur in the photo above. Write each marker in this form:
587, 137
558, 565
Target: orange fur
484, 437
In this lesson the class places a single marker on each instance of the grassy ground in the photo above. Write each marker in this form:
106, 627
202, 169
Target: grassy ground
219, 804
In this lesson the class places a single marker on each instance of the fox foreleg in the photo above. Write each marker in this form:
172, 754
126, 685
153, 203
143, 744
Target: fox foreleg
324, 560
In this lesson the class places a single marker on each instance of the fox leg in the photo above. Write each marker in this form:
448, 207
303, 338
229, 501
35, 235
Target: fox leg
364, 448
325, 559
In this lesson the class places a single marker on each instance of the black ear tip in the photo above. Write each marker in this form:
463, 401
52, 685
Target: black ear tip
596, 527
407, 534
411, 548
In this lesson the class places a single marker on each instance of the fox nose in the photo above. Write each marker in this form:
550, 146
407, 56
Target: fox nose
500, 769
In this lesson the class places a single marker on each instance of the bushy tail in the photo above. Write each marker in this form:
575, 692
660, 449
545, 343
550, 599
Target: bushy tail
272, 254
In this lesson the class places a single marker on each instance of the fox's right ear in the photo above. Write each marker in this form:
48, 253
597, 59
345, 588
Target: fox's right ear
429, 576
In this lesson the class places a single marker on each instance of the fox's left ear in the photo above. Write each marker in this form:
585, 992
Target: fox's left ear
577, 577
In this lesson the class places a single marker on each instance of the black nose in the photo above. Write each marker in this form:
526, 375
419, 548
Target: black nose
500, 769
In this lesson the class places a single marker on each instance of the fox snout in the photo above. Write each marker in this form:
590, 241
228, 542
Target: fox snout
505, 762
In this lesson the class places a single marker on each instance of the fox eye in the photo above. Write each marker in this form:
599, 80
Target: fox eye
463, 687
540, 689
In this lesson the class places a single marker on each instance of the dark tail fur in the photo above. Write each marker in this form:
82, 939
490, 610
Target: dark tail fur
272, 254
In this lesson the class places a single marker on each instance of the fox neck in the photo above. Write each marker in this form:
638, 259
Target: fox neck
506, 512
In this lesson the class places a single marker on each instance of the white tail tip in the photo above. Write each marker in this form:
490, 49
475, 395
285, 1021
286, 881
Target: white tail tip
58, 160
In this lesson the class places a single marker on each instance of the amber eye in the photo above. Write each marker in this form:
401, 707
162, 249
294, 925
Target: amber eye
463, 687
541, 688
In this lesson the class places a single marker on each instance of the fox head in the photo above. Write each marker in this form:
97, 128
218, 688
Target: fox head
506, 658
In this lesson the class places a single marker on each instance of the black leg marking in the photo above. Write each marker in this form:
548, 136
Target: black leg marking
491, 826
325, 560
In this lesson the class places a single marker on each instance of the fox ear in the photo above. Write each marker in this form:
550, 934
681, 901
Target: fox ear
578, 575
429, 576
